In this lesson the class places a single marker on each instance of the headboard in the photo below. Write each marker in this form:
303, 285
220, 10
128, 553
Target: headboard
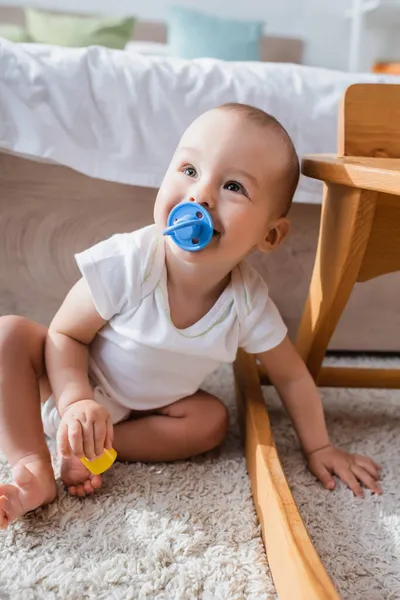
273, 48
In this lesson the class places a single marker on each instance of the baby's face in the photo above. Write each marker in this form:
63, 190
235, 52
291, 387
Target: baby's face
229, 165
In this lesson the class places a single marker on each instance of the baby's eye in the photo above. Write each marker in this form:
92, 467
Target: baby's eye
234, 186
190, 171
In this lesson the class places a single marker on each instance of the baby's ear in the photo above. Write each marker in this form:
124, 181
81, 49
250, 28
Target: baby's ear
275, 235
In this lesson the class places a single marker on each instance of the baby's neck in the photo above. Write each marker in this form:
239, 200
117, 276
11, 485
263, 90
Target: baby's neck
200, 281
192, 290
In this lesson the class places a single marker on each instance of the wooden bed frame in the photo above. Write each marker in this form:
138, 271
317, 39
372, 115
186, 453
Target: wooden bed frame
48, 212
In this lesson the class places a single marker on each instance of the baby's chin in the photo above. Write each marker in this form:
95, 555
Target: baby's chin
184, 255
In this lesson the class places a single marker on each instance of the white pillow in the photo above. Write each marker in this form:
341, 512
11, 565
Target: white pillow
149, 48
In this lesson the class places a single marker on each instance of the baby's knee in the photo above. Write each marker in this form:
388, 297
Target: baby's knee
217, 418
20, 336
11, 328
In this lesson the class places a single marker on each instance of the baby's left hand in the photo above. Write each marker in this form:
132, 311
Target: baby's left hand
351, 468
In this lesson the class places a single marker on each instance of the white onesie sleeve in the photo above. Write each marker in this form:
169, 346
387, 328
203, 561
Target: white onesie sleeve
112, 271
263, 327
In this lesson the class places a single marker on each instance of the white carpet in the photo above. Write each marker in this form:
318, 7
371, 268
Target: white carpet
188, 530
358, 540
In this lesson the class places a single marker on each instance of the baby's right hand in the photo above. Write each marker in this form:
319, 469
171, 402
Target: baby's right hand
85, 430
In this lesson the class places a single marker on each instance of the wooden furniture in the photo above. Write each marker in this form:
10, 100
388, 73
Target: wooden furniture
360, 224
296, 568
359, 239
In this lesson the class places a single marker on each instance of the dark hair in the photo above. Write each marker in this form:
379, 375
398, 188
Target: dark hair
291, 170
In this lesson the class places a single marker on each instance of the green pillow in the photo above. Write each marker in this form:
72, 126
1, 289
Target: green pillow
14, 33
79, 31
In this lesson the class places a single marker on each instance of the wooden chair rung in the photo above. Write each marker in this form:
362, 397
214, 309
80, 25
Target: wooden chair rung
359, 378
350, 377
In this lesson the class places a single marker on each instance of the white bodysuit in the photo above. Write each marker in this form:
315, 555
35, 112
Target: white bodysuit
139, 360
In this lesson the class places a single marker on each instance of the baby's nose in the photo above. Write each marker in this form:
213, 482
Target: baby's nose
206, 203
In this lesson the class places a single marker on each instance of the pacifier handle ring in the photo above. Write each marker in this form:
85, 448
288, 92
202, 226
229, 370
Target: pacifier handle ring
181, 225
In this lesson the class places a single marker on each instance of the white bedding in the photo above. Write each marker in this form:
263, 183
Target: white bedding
118, 116
148, 48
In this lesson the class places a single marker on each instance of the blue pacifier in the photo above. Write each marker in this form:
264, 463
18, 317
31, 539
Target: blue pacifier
190, 226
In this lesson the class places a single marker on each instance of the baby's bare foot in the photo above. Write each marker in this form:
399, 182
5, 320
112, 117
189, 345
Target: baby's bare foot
79, 481
33, 486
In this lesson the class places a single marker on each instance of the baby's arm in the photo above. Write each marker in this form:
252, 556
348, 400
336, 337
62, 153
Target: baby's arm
69, 335
298, 392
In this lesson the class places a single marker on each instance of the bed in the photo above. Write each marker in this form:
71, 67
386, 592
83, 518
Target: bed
85, 138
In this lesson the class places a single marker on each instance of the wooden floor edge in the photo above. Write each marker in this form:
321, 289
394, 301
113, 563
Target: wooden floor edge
296, 568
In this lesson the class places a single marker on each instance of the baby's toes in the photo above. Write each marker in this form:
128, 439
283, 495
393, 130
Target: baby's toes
88, 487
80, 491
72, 489
96, 482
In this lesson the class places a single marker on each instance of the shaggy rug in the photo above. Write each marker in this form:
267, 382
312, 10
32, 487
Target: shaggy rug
188, 530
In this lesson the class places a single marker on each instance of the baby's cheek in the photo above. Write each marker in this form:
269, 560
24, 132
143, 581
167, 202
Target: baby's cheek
159, 211
238, 217
174, 189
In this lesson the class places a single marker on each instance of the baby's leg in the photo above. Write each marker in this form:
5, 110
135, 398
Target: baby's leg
185, 428
21, 432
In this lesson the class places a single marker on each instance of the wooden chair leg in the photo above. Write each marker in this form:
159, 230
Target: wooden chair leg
346, 222
296, 568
